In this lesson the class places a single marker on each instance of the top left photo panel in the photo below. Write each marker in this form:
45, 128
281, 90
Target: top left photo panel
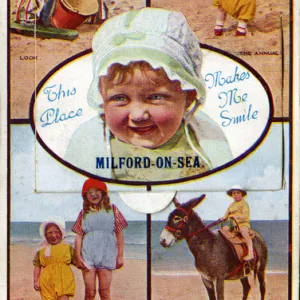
44, 33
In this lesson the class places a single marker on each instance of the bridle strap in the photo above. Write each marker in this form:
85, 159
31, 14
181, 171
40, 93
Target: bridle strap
182, 209
195, 232
205, 228
170, 228
183, 221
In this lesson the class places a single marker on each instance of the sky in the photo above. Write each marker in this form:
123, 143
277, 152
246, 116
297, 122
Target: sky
28, 205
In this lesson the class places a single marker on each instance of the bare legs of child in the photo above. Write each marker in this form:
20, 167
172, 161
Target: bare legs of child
104, 279
241, 28
220, 20
245, 233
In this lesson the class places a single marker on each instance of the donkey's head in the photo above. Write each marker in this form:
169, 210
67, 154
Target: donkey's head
178, 226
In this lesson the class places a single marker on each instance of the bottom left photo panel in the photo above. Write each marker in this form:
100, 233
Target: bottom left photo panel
71, 245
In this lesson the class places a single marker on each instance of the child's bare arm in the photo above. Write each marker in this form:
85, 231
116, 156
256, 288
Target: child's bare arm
73, 258
37, 271
120, 245
36, 278
78, 243
80, 263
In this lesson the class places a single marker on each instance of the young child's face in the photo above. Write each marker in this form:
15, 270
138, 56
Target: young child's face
94, 196
237, 195
53, 234
147, 109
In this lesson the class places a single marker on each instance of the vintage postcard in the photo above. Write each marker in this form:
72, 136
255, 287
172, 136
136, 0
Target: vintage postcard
151, 149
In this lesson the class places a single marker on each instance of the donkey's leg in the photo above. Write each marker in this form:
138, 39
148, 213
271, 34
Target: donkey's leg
209, 285
262, 283
220, 288
246, 287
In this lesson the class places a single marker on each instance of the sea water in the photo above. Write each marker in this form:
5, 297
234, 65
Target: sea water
172, 260
27, 233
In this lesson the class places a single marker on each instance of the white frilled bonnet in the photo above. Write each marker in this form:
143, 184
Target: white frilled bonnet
162, 38
60, 223
56, 221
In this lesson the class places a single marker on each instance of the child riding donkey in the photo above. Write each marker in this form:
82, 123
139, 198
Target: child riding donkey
239, 211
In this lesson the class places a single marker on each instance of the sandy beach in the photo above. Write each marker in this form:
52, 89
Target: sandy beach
129, 283
192, 288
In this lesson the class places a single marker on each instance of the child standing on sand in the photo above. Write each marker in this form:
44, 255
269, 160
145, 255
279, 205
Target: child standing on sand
239, 210
147, 86
99, 242
242, 10
52, 275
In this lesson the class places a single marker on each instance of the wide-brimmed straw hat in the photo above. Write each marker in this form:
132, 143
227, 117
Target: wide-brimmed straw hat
93, 183
236, 187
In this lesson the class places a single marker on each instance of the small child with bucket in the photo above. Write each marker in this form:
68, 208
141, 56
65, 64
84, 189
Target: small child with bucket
239, 210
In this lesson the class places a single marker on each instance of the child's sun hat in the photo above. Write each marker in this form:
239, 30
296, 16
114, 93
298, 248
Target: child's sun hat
160, 37
236, 187
93, 183
60, 223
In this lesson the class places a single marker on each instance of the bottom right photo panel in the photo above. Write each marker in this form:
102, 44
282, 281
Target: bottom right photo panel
234, 243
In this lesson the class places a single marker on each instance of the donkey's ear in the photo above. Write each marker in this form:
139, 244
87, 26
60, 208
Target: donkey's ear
175, 201
194, 202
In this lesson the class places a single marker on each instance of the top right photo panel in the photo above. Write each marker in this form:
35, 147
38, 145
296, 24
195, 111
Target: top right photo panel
256, 31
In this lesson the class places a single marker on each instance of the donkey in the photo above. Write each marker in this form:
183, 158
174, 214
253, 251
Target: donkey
215, 258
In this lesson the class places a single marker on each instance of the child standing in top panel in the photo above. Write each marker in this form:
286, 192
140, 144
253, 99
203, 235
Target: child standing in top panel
148, 86
239, 210
99, 241
52, 275
242, 10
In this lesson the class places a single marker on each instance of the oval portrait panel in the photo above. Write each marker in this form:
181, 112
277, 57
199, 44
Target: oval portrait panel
147, 129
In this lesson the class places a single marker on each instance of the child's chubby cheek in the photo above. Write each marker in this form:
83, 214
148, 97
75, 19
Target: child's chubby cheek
168, 116
151, 129
116, 119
